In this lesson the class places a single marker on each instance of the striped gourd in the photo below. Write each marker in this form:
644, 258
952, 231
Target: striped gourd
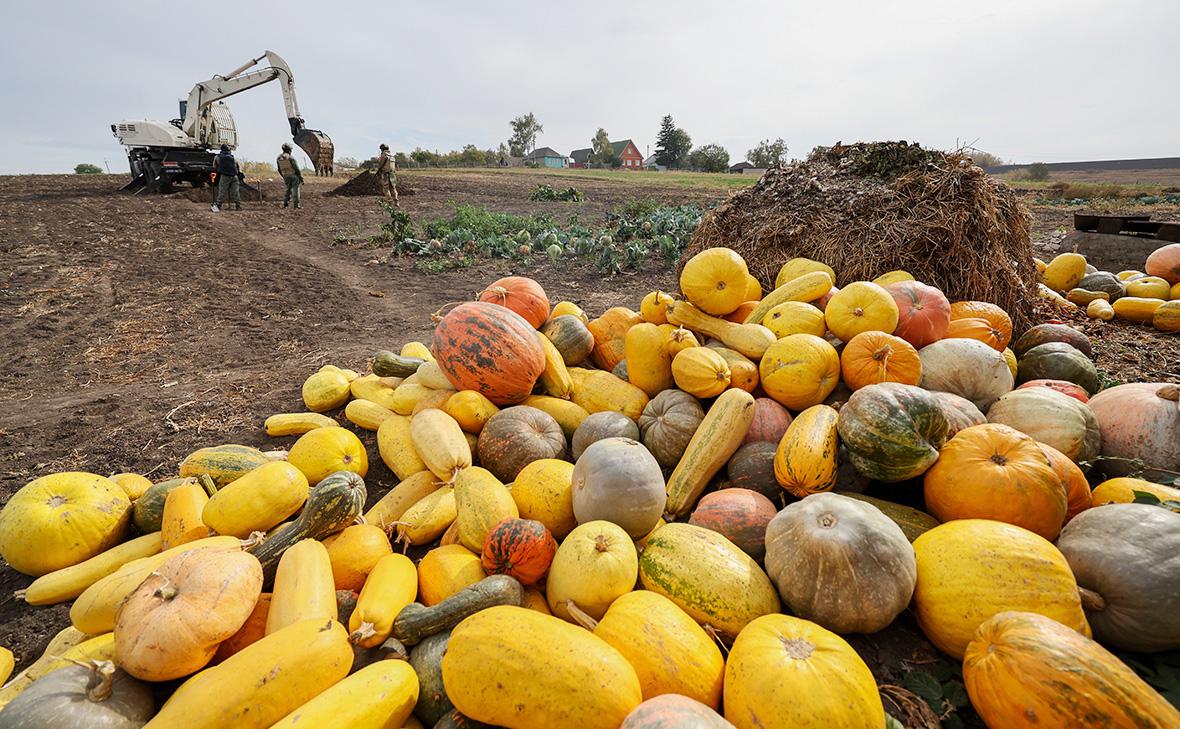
440, 442
715, 440
805, 462
808, 287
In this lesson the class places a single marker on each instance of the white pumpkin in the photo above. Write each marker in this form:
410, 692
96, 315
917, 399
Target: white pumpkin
1052, 418
967, 368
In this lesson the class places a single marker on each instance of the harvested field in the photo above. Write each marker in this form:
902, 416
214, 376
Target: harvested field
141, 328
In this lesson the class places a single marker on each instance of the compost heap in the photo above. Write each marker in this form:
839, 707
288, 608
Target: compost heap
868, 208
366, 184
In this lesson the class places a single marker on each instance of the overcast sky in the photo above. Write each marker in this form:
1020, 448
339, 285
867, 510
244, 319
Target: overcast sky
1030, 80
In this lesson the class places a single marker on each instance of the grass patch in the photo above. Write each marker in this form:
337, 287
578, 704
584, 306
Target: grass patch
704, 180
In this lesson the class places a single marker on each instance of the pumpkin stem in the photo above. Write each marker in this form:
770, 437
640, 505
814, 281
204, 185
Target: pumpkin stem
1169, 392
364, 632
600, 543
207, 484
253, 540
580, 617
438, 315
19, 594
1091, 601
497, 291
716, 636
165, 592
105, 672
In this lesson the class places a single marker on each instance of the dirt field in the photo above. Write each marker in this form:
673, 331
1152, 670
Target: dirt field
142, 328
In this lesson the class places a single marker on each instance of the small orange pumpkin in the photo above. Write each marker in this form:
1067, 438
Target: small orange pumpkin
252, 631
1165, 263
609, 331
870, 358
996, 317
977, 328
521, 294
173, 622
354, 553
991, 471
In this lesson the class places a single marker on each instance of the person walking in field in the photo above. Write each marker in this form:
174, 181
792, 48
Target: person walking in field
387, 174
228, 184
292, 176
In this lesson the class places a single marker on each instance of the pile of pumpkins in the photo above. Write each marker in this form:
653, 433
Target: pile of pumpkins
1151, 296
646, 519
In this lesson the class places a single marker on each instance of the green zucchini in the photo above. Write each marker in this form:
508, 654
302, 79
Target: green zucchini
426, 660
388, 364
417, 622
149, 507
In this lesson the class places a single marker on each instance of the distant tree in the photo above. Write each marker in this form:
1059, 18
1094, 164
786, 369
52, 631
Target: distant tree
818, 151
491, 158
673, 144
371, 163
985, 159
87, 169
601, 152
1037, 172
471, 156
399, 158
709, 158
768, 153
524, 134
348, 162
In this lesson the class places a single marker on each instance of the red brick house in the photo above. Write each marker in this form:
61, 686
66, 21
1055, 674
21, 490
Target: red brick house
626, 151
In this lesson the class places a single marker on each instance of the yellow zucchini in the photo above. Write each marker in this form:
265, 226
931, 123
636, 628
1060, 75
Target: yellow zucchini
808, 287
304, 588
181, 522
376, 389
379, 696
715, 440
481, 502
597, 390
406, 396
68, 583
391, 586
440, 442
396, 447
1136, 309
805, 462
470, 409
257, 501
797, 267
416, 349
431, 375
555, 377
426, 520
750, 339
296, 423
649, 364
569, 415
367, 414
386, 512
263, 682
1100, 309
94, 610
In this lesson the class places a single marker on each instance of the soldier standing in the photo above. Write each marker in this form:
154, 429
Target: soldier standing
387, 174
227, 171
292, 176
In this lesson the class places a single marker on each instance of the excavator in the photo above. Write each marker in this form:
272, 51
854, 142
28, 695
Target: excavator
163, 154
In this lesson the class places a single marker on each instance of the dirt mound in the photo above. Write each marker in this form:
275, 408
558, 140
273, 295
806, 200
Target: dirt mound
868, 208
206, 194
366, 184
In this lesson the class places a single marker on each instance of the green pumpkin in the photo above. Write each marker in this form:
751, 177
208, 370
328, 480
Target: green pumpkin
1058, 361
913, 522
1103, 281
892, 431
148, 513
1042, 333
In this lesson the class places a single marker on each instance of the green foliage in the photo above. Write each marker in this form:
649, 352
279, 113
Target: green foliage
941, 687
768, 153
637, 208
602, 153
709, 158
524, 134
1143, 497
1161, 670
547, 193
673, 144
399, 226
985, 159
87, 169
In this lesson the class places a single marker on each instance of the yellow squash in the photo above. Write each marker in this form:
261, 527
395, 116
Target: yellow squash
1100, 309
481, 502
304, 588
1136, 309
324, 451
258, 501
805, 462
543, 491
653, 634
800, 370
398, 499
1122, 491
64, 640
654, 307
788, 672
406, 396
440, 442
795, 317
798, 267
296, 423
367, 414
94, 610
379, 696
391, 586
743, 374
513, 667
181, 522
396, 447
555, 378
471, 410
354, 552
431, 375
701, 372
1149, 287
69, 582
649, 364
563, 308
427, 519
861, 306
569, 415
7, 663
715, 440
416, 349
808, 287
594, 565
263, 682
1064, 272
445, 570
1167, 316
376, 389
225, 463
325, 390
132, 484
597, 390
893, 277
714, 280
750, 339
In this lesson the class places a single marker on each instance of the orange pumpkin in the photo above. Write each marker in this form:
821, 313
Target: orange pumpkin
738, 315
861, 306
252, 631
609, 332
173, 622
522, 295
870, 358
715, 280
1024, 670
354, 553
654, 307
489, 349
976, 328
1165, 263
999, 320
520, 548
1077, 489
923, 312
991, 471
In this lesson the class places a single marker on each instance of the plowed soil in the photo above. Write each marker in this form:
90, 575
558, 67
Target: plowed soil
137, 329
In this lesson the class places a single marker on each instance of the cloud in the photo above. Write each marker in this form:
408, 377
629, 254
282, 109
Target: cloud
1050, 80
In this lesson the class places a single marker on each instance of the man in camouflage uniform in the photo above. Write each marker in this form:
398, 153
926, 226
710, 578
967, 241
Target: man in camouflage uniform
228, 184
387, 174
292, 176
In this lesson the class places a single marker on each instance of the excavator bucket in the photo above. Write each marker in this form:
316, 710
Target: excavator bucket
319, 147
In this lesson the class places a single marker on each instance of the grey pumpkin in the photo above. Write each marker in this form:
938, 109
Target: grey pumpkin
92, 696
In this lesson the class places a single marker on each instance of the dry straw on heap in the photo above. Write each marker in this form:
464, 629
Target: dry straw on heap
869, 208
